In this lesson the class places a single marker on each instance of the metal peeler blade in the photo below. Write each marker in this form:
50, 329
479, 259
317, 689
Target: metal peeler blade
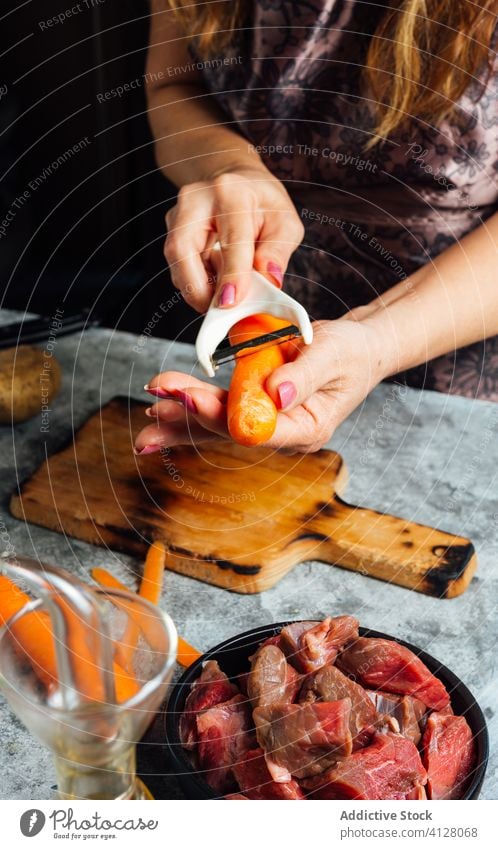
262, 297
227, 353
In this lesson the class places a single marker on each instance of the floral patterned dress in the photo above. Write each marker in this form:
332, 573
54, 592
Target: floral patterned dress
291, 85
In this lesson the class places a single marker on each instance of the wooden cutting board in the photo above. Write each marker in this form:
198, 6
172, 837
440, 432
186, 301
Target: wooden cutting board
235, 517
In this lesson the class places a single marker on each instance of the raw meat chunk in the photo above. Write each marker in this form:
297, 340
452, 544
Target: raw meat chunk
390, 768
385, 665
224, 737
364, 706
273, 641
448, 755
406, 711
329, 684
256, 782
310, 648
242, 682
288, 639
303, 740
271, 678
211, 688
418, 794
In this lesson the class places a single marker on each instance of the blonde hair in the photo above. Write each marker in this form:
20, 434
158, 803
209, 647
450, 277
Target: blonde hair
420, 60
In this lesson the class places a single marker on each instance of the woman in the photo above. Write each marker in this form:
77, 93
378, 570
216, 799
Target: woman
353, 147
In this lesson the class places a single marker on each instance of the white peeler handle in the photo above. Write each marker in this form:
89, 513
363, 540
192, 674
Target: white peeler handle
262, 297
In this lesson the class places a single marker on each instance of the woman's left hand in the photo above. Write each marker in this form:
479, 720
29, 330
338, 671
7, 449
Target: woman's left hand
314, 393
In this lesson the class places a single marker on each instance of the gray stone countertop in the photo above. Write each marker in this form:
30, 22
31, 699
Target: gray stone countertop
421, 455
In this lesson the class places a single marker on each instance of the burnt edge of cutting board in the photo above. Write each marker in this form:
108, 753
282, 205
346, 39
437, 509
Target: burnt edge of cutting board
455, 563
448, 579
454, 568
224, 565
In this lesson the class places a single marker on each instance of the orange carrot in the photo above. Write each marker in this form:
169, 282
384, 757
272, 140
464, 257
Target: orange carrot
105, 579
125, 683
125, 648
34, 636
153, 574
33, 632
150, 588
12, 599
86, 669
186, 653
84, 662
251, 413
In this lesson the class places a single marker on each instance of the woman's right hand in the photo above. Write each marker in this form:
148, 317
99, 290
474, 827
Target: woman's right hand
251, 215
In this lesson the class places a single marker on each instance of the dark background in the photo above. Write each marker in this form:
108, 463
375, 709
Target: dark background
91, 235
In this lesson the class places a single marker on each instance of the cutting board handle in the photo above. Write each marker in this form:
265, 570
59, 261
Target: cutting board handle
383, 546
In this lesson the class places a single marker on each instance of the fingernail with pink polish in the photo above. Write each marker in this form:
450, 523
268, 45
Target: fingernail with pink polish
186, 400
227, 295
276, 271
148, 449
286, 394
161, 393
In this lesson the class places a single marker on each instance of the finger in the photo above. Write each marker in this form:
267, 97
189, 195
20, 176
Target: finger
281, 234
210, 412
168, 382
197, 406
155, 437
167, 411
189, 274
235, 221
189, 235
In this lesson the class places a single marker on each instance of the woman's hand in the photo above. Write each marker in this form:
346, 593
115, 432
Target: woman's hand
314, 393
250, 213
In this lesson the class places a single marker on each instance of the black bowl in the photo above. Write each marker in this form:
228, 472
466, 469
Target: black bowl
233, 658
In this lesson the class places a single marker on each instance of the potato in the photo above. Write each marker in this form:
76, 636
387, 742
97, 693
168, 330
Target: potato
29, 380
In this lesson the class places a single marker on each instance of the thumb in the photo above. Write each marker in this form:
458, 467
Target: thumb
294, 382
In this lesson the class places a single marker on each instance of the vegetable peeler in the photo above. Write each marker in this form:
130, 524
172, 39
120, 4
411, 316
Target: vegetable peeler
263, 297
